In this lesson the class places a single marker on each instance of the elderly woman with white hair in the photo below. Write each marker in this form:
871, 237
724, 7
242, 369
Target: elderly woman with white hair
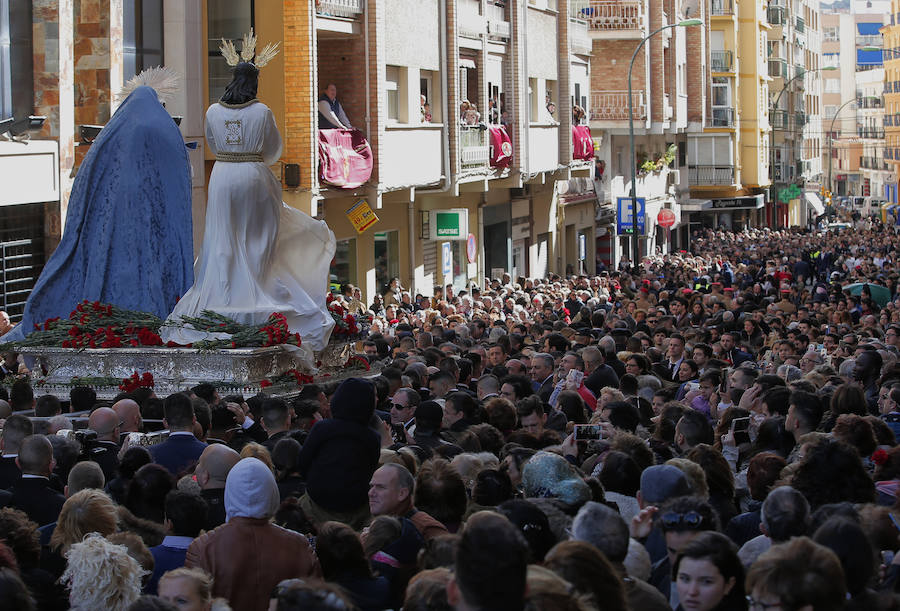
101, 575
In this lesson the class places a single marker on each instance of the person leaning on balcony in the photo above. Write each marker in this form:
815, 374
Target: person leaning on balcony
331, 113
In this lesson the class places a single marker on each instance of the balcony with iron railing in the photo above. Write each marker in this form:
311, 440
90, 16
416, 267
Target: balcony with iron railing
348, 9
778, 68
613, 105
868, 101
623, 18
776, 15
721, 116
778, 119
474, 149
497, 21
710, 175
721, 8
721, 61
870, 133
873, 163
580, 41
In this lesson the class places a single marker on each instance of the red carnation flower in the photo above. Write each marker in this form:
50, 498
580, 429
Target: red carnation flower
265, 384
880, 456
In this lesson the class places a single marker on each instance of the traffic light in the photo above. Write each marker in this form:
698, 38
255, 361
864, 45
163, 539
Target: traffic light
822, 191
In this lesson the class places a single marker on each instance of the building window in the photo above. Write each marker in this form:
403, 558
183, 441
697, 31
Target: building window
392, 92
228, 19
6, 109
831, 33
429, 87
832, 85
143, 36
16, 60
831, 60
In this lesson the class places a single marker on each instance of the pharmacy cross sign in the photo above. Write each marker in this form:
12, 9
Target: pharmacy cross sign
788, 193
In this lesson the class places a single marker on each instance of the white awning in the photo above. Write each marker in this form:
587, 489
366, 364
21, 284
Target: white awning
814, 202
466, 63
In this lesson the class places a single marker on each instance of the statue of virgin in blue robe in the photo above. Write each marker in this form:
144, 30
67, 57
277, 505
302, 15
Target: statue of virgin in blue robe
128, 236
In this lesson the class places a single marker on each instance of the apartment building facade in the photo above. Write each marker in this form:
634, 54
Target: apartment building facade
853, 102
891, 92
795, 95
727, 158
667, 101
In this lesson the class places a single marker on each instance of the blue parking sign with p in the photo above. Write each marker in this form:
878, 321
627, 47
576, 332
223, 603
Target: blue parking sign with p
625, 216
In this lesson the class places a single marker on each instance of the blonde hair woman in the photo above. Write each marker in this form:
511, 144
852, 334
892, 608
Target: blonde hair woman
101, 575
87, 511
190, 590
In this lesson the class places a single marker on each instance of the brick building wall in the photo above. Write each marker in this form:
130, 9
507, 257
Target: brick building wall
299, 90
92, 62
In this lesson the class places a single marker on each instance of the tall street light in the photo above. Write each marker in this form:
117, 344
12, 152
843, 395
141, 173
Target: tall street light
636, 239
774, 195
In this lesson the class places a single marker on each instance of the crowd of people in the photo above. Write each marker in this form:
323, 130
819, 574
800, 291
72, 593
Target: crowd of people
714, 430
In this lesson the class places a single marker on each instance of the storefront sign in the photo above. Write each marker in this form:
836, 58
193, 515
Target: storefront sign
450, 224
361, 216
471, 248
750, 203
665, 218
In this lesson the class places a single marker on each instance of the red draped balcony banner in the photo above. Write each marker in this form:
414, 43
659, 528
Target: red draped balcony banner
501, 147
345, 158
582, 144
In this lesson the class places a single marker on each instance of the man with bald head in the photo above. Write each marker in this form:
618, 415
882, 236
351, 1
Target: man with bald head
129, 413
212, 470
33, 494
105, 422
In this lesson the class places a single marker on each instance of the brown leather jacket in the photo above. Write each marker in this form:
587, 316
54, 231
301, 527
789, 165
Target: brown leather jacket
247, 557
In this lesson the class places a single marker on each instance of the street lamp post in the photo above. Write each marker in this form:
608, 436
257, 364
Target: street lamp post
636, 239
774, 195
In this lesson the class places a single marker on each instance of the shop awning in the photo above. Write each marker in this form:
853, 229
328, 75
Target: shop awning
466, 63
815, 203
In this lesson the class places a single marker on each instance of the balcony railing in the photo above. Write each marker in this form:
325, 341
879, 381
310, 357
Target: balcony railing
609, 15
721, 7
471, 23
710, 175
778, 68
778, 119
721, 61
801, 25
872, 133
800, 119
579, 38
872, 163
722, 116
613, 105
474, 149
868, 101
776, 15
498, 24
340, 8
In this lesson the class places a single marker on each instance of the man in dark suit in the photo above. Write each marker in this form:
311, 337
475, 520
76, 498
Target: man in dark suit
541, 371
33, 494
598, 374
105, 422
181, 450
276, 420
15, 430
212, 470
